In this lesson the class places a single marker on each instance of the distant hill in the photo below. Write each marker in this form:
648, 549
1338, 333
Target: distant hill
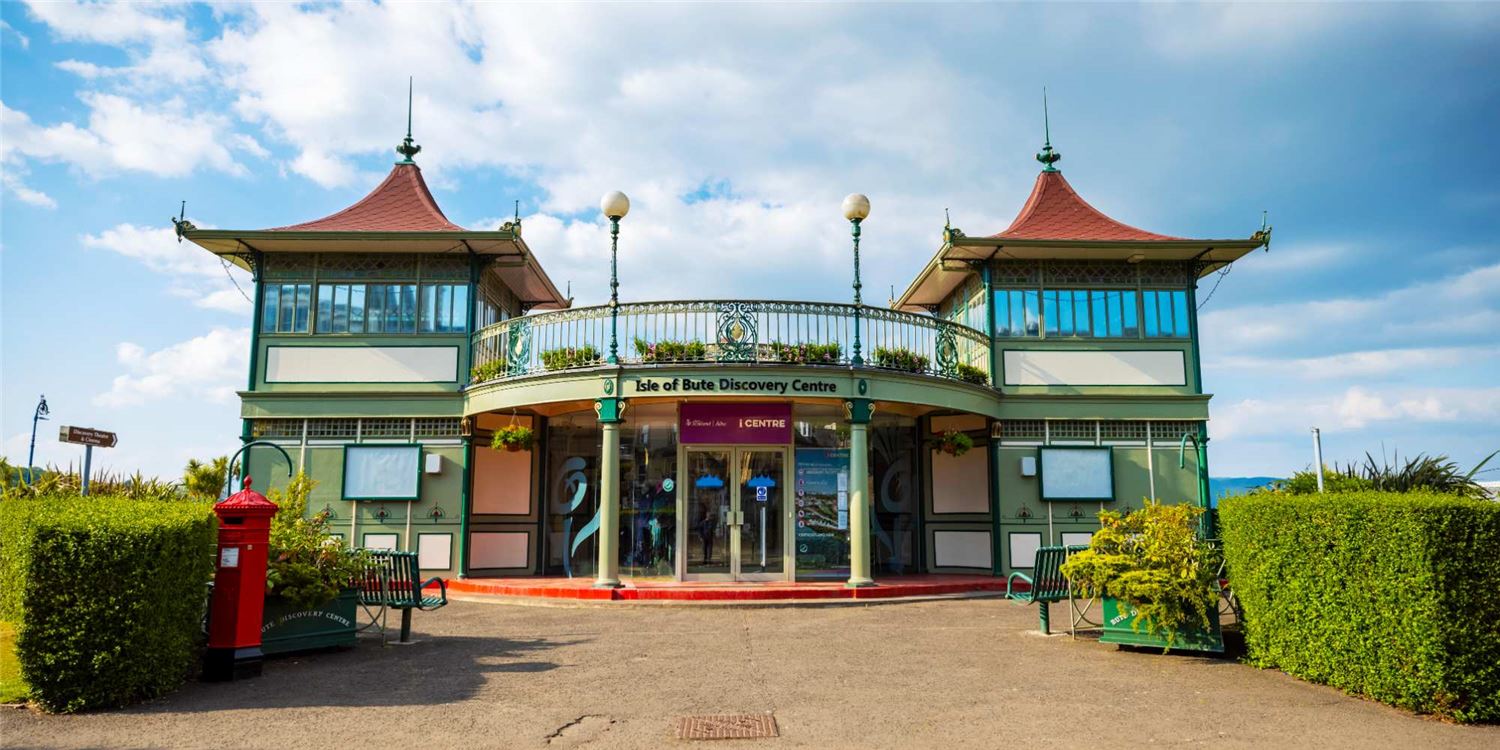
1224, 486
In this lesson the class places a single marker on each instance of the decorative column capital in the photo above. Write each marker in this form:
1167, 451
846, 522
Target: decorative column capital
859, 410
611, 409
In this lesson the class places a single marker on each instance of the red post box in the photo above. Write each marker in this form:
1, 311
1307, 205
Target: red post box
239, 598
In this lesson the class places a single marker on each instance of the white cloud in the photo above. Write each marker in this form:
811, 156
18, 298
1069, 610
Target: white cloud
1362, 364
167, 140
23, 193
191, 272
154, 36
1353, 408
21, 39
207, 367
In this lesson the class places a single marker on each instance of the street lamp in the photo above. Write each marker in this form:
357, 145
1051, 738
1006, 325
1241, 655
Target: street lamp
614, 205
856, 208
41, 413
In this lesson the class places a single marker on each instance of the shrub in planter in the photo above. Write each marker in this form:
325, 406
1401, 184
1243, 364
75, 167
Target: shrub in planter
106, 594
900, 359
307, 566
955, 443
1393, 596
570, 357
1152, 560
513, 438
971, 374
487, 371
670, 351
807, 354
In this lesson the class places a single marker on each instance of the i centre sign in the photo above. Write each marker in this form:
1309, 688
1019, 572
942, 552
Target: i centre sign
735, 423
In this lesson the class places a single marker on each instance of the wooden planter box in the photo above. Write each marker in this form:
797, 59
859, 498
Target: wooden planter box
286, 629
1117, 618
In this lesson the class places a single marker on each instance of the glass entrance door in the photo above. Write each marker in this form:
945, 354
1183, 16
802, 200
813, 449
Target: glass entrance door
736, 514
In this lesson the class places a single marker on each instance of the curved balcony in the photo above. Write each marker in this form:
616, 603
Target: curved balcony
734, 332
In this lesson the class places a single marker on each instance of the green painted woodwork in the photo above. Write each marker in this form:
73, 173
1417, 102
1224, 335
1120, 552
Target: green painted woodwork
265, 341
1118, 616
375, 403
289, 630
1127, 407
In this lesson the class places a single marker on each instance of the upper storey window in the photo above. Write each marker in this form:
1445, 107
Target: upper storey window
365, 308
1091, 313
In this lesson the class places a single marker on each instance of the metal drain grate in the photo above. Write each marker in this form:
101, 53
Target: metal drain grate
727, 727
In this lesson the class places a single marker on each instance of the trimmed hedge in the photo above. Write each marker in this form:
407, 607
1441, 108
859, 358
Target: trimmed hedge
106, 595
1388, 595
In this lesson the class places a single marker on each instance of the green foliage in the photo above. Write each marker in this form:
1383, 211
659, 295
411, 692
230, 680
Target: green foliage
971, 374
1424, 472
1392, 596
955, 443
670, 351
900, 359
12, 687
487, 371
570, 357
106, 593
513, 437
53, 481
1152, 558
307, 566
204, 481
807, 354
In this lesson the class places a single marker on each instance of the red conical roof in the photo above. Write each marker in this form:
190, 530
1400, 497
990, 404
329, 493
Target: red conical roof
400, 204
1056, 212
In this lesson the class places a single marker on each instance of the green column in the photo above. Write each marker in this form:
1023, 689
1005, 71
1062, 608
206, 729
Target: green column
609, 410
860, 410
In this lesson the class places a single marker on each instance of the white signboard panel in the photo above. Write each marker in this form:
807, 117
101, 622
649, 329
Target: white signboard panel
1077, 474
381, 472
1095, 368
961, 549
361, 364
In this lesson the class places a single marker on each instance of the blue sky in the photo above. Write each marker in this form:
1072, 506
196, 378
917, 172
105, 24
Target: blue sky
1367, 131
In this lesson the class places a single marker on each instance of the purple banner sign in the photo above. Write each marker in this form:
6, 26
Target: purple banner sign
736, 423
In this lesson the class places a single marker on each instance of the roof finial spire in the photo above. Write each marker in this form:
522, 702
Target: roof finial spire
1048, 156
407, 149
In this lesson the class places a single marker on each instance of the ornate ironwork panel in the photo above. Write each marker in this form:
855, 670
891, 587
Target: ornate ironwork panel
518, 348
947, 351
738, 335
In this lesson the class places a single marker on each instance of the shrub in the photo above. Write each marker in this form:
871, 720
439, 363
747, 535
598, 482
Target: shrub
204, 481
971, 374
569, 357
807, 354
1153, 559
900, 359
1424, 472
106, 593
306, 565
487, 371
53, 481
1392, 596
670, 351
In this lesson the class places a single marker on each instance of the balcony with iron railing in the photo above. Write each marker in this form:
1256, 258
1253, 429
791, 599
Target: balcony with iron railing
731, 332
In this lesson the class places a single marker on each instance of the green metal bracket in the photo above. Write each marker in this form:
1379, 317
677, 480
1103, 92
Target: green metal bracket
860, 410
610, 409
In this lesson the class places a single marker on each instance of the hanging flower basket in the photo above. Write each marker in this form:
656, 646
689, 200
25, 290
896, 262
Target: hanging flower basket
512, 438
955, 443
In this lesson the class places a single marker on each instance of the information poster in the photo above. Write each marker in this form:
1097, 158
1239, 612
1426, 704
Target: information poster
822, 491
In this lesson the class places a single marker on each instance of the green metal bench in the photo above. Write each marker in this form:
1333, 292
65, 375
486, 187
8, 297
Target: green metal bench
392, 580
1047, 584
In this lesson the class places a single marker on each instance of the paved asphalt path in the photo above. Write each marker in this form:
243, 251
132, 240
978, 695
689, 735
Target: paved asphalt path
944, 674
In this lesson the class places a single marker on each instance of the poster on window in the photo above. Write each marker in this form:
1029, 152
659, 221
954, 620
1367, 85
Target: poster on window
822, 482
1077, 474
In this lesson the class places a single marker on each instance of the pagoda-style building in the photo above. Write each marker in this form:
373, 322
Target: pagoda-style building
449, 401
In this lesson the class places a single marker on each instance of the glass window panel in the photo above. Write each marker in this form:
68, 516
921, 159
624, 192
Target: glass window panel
1132, 325
1065, 313
1033, 315
304, 308
341, 308
427, 316
1017, 315
408, 308
375, 308
1180, 313
1100, 313
1148, 303
392, 308
1112, 302
1002, 313
1164, 313
286, 315
357, 308
269, 307
325, 308
458, 306
1049, 311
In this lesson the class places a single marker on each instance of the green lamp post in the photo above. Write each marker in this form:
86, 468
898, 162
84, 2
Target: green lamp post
856, 208
614, 205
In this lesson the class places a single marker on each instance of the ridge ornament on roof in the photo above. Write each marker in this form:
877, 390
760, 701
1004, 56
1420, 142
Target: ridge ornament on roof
408, 149
1048, 155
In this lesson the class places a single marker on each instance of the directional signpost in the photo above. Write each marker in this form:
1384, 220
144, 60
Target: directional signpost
90, 439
